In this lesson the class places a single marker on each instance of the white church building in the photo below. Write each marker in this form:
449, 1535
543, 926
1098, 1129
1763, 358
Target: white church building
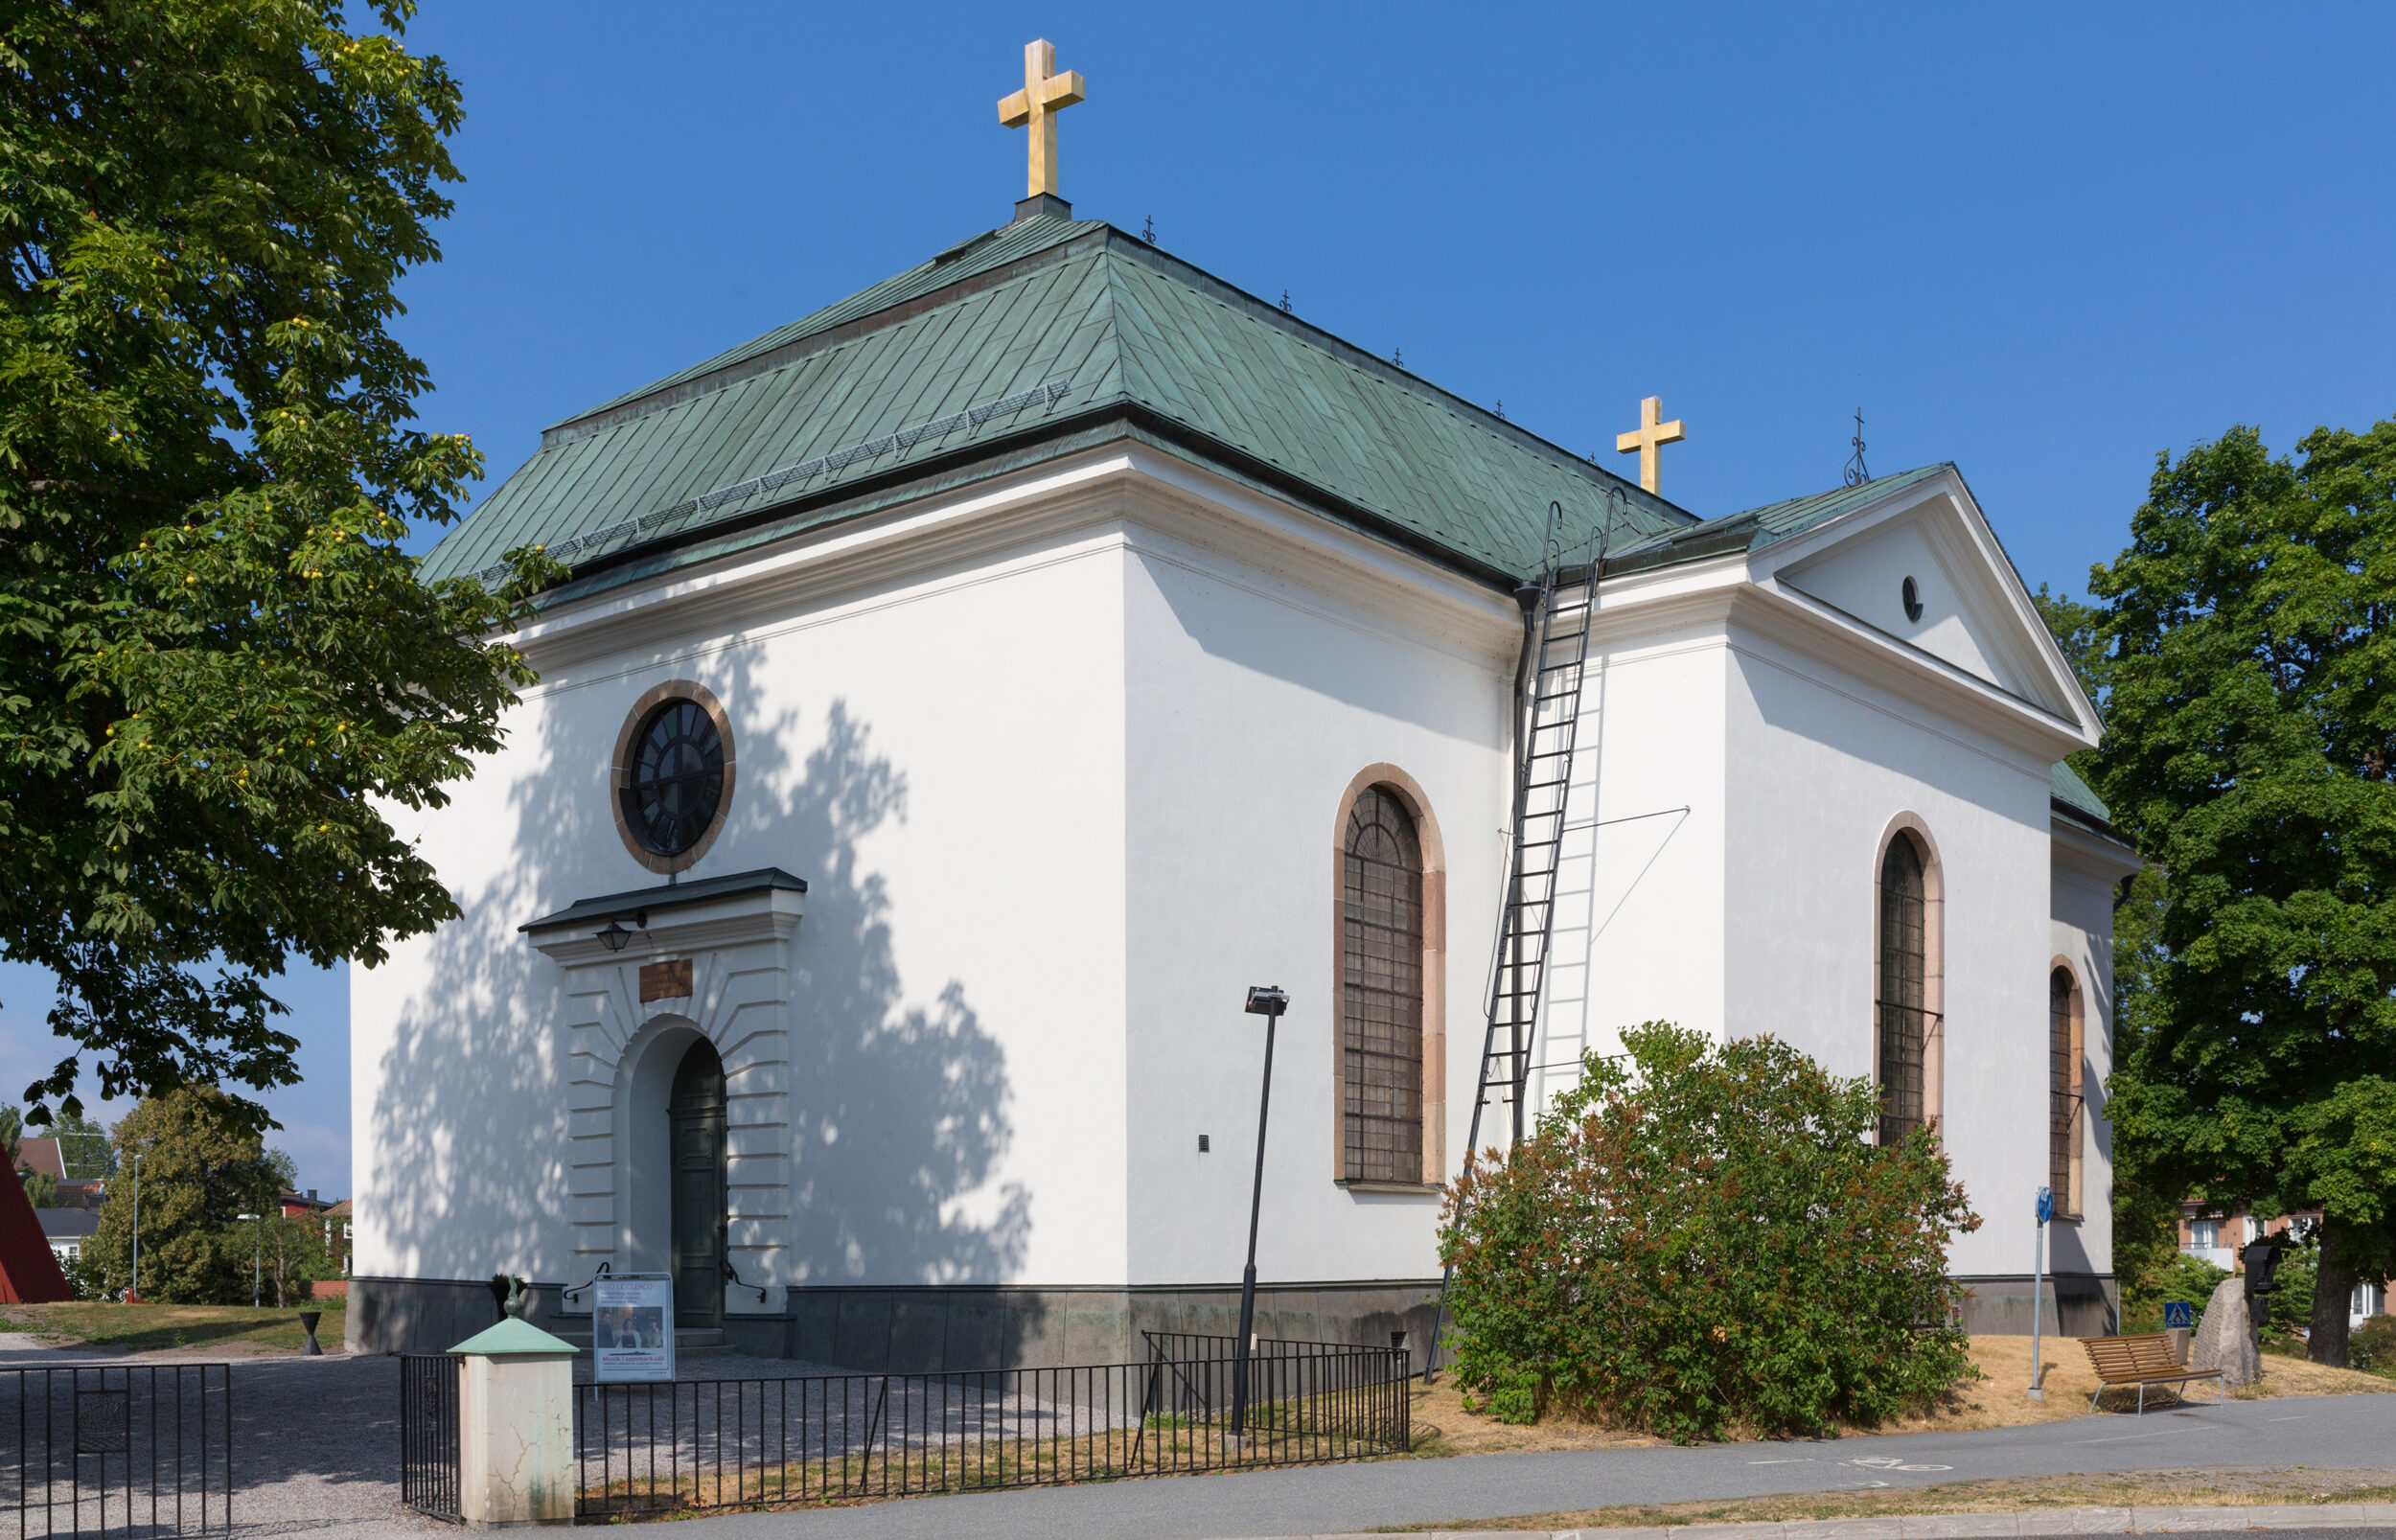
964, 692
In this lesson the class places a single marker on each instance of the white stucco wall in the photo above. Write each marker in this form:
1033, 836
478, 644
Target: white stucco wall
1640, 884
1822, 766
2085, 870
1063, 762
939, 757
1261, 684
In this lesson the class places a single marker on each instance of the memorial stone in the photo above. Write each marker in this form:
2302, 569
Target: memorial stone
2225, 1336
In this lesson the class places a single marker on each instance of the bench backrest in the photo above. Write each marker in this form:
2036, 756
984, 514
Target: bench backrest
2125, 1357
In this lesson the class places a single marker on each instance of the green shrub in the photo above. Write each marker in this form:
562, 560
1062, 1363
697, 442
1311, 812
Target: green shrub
1707, 1237
2186, 1278
2372, 1346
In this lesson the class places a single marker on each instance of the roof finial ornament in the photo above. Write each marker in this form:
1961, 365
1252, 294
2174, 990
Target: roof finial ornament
1647, 442
1148, 229
1045, 94
1857, 474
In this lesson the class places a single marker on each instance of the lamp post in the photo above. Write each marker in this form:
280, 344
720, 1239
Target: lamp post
258, 1263
1268, 1001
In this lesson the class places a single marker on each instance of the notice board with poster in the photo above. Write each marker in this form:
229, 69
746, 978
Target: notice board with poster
632, 1328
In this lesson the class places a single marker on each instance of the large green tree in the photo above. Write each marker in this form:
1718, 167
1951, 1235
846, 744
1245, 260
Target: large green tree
218, 667
2250, 634
201, 1167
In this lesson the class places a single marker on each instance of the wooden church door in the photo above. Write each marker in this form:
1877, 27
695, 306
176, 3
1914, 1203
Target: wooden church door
697, 1121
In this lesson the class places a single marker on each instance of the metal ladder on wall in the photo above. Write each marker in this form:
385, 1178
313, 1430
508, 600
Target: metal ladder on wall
1564, 601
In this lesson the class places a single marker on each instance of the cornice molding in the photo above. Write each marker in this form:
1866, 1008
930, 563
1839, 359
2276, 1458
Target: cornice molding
2083, 850
765, 916
1102, 495
1802, 622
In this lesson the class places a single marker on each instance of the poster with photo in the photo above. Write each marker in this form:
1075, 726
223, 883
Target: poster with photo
632, 1329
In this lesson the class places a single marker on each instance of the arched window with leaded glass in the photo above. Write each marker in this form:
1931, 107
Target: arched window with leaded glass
1902, 1020
1381, 990
2066, 1100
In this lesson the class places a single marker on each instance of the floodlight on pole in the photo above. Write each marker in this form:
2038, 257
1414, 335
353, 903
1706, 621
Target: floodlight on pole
1269, 1002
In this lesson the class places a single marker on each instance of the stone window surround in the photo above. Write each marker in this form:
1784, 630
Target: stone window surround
1410, 793
620, 774
1933, 960
2067, 1205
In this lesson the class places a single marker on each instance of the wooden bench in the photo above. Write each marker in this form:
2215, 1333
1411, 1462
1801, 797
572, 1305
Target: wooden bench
2144, 1360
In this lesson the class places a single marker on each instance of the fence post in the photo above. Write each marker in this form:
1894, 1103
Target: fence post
516, 1428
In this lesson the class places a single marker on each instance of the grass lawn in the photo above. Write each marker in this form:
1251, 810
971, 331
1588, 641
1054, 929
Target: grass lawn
2231, 1488
150, 1327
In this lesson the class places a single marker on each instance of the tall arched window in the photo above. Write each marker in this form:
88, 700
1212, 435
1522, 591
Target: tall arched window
1900, 1008
2064, 1098
1381, 990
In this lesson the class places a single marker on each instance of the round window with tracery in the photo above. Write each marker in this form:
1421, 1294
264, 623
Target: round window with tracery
672, 777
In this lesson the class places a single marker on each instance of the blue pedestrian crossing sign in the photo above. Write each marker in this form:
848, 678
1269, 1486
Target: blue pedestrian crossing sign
2178, 1313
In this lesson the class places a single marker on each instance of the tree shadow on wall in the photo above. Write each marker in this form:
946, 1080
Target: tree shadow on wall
899, 1112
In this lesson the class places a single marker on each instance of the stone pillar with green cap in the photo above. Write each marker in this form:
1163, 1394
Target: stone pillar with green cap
515, 1427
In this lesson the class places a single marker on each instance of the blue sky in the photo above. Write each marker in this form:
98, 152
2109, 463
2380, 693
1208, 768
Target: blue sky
2046, 242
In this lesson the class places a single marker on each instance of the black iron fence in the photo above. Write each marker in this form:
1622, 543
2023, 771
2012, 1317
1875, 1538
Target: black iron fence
428, 1434
110, 1450
695, 1445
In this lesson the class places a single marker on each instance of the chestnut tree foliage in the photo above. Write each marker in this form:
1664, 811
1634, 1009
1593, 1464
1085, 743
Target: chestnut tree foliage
218, 666
1703, 1237
2245, 647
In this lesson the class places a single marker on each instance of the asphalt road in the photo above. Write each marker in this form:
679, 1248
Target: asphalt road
2350, 1431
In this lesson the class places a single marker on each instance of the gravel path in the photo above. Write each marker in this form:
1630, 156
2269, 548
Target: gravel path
315, 1443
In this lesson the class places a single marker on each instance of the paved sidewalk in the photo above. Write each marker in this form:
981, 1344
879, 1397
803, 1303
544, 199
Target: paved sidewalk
318, 1441
2337, 1516
2347, 1433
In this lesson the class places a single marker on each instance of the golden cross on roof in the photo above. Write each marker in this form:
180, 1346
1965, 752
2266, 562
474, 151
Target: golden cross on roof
1045, 94
1649, 440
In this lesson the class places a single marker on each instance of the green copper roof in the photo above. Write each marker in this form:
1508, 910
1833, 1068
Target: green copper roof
513, 1337
1034, 340
1756, 528
2070, 789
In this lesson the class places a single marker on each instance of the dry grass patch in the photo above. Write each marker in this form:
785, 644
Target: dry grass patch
1999, 1399
2009, 1495
200, 1330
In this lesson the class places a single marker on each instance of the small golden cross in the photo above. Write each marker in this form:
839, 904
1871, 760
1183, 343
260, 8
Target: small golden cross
1653, 434
1045, 94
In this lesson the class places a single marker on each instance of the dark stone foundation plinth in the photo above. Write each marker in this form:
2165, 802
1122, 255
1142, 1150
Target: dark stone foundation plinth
2077, 1304
940, 1329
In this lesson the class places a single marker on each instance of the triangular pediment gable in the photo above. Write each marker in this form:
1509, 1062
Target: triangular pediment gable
1970, 610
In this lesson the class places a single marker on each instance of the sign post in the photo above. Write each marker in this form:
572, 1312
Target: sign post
2038, 1292
632, 1328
